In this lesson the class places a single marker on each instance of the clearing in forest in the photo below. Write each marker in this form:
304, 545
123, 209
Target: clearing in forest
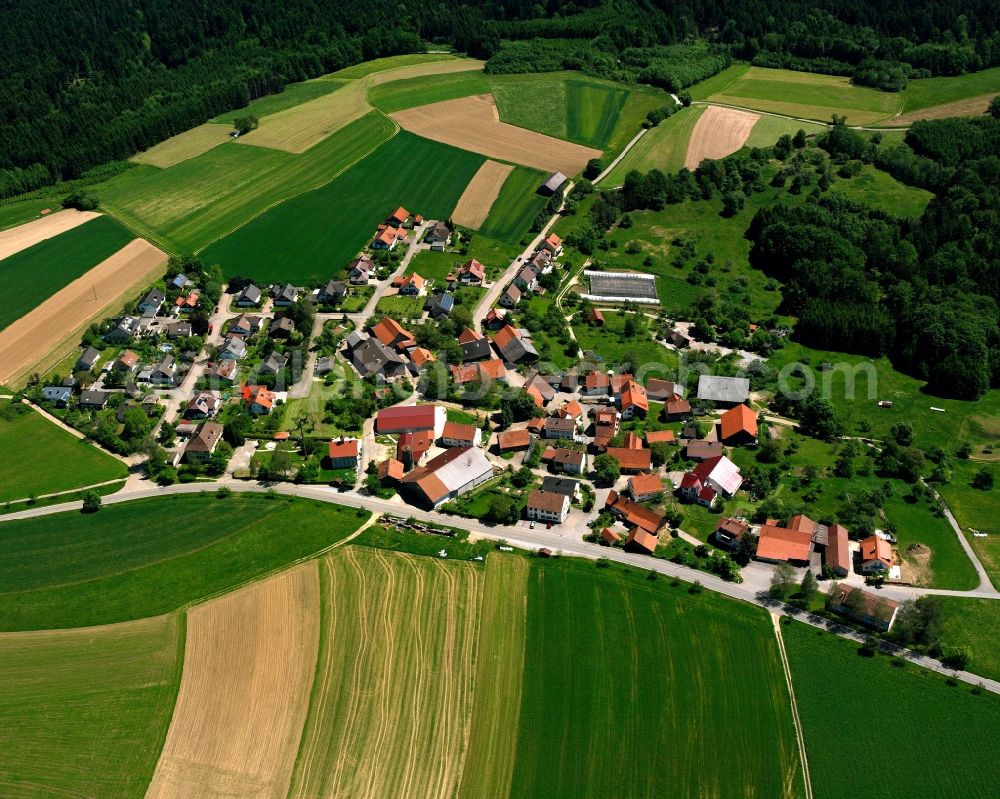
473, 123
45, 335
392, 702
84, 712
476, 201
30, 233
183, 146
248, 671
719, 132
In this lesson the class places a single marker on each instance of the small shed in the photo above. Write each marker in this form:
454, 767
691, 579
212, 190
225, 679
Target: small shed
552, 184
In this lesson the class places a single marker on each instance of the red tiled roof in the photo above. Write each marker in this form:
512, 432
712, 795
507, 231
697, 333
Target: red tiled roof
660, 436
493, 368
535, 395
467, 335
876, 548
391, 468
549, 501
643, 484
634, 514
344, 449
631, 458
513, 439
779, 543
634, 394
459, 431
632, 441
642, 539
677, 407
406, 417
738, 420
571, 410
420, 356
473, 267
610, 536
464, 373
389, 331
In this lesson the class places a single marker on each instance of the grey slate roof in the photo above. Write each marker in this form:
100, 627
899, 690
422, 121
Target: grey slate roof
723, 389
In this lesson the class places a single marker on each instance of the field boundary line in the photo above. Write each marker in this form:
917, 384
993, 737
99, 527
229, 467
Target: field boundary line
799, 736
635, 139
67, 491
316, 187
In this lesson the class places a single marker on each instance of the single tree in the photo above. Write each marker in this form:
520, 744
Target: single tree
91, 502
607, 469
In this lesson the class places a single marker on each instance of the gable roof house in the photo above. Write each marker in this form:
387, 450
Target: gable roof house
332, 292
568, 461
838, 554
472, 273
188, 303
372, 357
164, 372
454, 472
124, 331
456, 434
515, 344
633, 401
866, 608
399, 217
245, 325
387, 237
58, 394
390, 332
738, 426
224, 371
562, 485
642, 541
663, 390
412, 284
631, 461
281, 327
723, 391
552, 244
729, 533
152, 302
702, 450
496, 318
674, 409
344, 453
411, 418
547, 506
259, 399
202, 405
511, 440
644, 487
708, 479
632, 514
526, 278
202, 444
128, 361
511, 297
782, 545
285, 295
439, 305
87, 360
94, 400
274, 364
249, 297
438, 236
177, 330
360, 270
544, 389
233, 349
552, 184
876, 555
558, 427
476, 350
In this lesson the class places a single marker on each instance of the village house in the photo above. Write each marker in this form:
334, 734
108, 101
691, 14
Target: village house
399, 217
729, 533
163, 373
202, 405
472, 273
477, 349
631, 461
181, 281
274, 364
660, 437
567, 461
783, 545
332, 293
456, 434
556, 427
224, 372
285, 295
128, 362
606, 424
124, 331
387, 237
838, 552
645, 487
496, 318
511, 297
390, 471
553, 245
176, 330
662, 390
419, 357
875, 555
250, 297
202, 444
439, 306
360, 270
596, 318
411, 418
738, 427
372, 358
412, 446
678, 340
710, 478
344, 453
543, 388
245, 325
633, 401
513, 440
552, 184
526, 279
233, 349
151, 303
515, 345
701, 450
676, 409
610, 537
641, 541
411, 285
187, 303
562, 485
94, 400
863, 607
438, 236
87, 360
725, 392
58, 394
547, 507
595, 384
390, 332
259, 399
454, 472
632, 514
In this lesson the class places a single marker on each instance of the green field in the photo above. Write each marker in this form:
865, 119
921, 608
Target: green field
663, 147
389, 62
85, 712
592, 111
769, 129
188, 206
38, 457
633, 688
928, 92
977, 509
148, 557
611, 343
516, 207
293, 94
17, 213
934, 740
807, 95
973, 625
310, 236
881, 190
413, 92
403, 306
33, 275
718, 82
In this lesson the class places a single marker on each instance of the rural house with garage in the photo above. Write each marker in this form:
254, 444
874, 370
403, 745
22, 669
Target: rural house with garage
547, 507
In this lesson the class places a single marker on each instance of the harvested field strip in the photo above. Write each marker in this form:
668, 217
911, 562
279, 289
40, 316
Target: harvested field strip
517, 205
248, 670
630, 685
28, 471
472, 123
292, 95
36, 273
718, 133
391, 63
85, 712
438, 67
42, 337
146, 557
29, 234
303, 239
944, 739
197, 202
969, 107
476, 201
489, 765
189, 144
390, 710
664, 147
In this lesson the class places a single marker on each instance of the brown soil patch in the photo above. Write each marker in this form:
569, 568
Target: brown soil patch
717, 133
184, 145
45, 335
248, 671
477, 199
969, 107
30, 233
473, 123
915, 565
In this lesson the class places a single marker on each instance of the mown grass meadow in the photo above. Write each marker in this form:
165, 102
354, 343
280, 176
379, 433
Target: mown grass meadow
517, 205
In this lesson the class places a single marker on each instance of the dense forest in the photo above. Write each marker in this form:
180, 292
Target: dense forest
86, 82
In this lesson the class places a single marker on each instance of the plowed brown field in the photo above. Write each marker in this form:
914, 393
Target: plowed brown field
719, 132
473, 123
42, 337
248, 672
477, 199
30, 233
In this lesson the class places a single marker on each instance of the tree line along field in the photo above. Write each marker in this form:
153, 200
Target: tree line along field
149, 557
931, 739
85, 712
35, 274
314, 234
55, 461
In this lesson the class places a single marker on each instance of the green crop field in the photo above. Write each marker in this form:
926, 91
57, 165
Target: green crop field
14, 214
309, 237
534, 101
149, 557
928, 92
718, 82
516, 207
631, 688
33, 275
663, 147
592, 111
85, 712
807, 95
54, 461
414, 92
935, 740
769, 129
190, 205
292, 95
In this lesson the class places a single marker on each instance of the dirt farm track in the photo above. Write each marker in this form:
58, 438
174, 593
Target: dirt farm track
473, 123
58, 321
